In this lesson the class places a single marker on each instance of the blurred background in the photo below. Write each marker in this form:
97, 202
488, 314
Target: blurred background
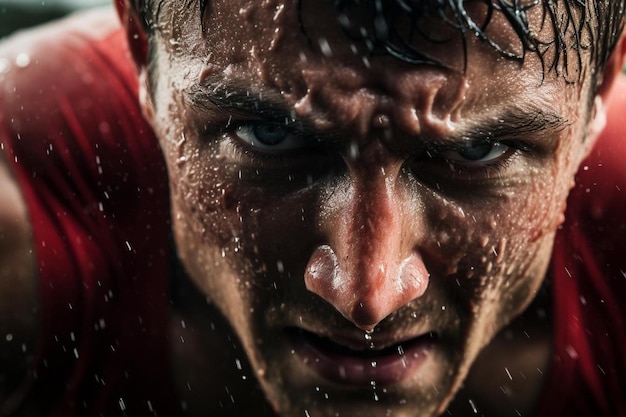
16, 14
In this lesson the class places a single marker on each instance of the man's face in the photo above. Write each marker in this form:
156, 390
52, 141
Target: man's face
365, 225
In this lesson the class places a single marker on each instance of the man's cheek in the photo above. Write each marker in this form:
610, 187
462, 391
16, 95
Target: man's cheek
247, 223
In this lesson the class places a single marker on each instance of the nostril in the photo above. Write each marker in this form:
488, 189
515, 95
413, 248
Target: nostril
413, 277
322, 272
324, 278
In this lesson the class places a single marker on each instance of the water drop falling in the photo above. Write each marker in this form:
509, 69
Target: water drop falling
4, 65
474, 409
22, 60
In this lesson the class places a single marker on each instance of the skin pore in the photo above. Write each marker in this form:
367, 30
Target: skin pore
320, 198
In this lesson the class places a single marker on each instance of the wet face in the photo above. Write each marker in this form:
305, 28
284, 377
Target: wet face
365, 225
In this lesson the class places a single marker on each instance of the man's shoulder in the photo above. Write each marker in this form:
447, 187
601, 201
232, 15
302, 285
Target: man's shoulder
77, 30
71, 86
83, 55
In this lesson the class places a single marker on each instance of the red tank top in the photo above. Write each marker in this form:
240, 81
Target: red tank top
87, 162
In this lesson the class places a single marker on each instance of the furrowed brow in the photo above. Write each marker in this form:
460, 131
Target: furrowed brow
517, 122
238, 99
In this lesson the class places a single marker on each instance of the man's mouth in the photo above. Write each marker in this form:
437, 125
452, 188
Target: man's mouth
367, 366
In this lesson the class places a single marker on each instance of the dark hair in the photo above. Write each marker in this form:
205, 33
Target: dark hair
396, 26
578, 25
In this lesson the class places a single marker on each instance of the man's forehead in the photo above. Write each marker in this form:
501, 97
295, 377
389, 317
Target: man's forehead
412, 31
352, 33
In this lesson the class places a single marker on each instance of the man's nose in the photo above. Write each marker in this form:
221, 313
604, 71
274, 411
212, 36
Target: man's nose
369, 266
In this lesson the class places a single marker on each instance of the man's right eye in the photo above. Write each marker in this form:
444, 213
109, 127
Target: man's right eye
481, 153
268, 137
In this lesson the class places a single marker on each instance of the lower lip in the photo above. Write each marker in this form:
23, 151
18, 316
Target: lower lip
390, 366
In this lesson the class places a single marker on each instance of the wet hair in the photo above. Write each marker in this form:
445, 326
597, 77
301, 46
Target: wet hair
395, 27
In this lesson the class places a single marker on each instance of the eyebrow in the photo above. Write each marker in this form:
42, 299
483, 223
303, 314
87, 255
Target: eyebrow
213, 94
515, 121
236, 97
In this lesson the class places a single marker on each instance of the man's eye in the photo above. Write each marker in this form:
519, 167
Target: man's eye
268, 137
476, 153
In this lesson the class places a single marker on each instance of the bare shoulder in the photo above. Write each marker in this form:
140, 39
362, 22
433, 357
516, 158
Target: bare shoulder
18, 290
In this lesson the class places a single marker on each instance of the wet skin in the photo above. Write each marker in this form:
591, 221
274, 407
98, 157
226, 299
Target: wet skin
329, 206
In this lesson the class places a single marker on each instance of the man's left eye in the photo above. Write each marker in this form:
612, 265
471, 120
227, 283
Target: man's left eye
268, 137
476, 153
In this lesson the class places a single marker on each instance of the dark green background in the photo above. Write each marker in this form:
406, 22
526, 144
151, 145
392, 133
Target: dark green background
18, 14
